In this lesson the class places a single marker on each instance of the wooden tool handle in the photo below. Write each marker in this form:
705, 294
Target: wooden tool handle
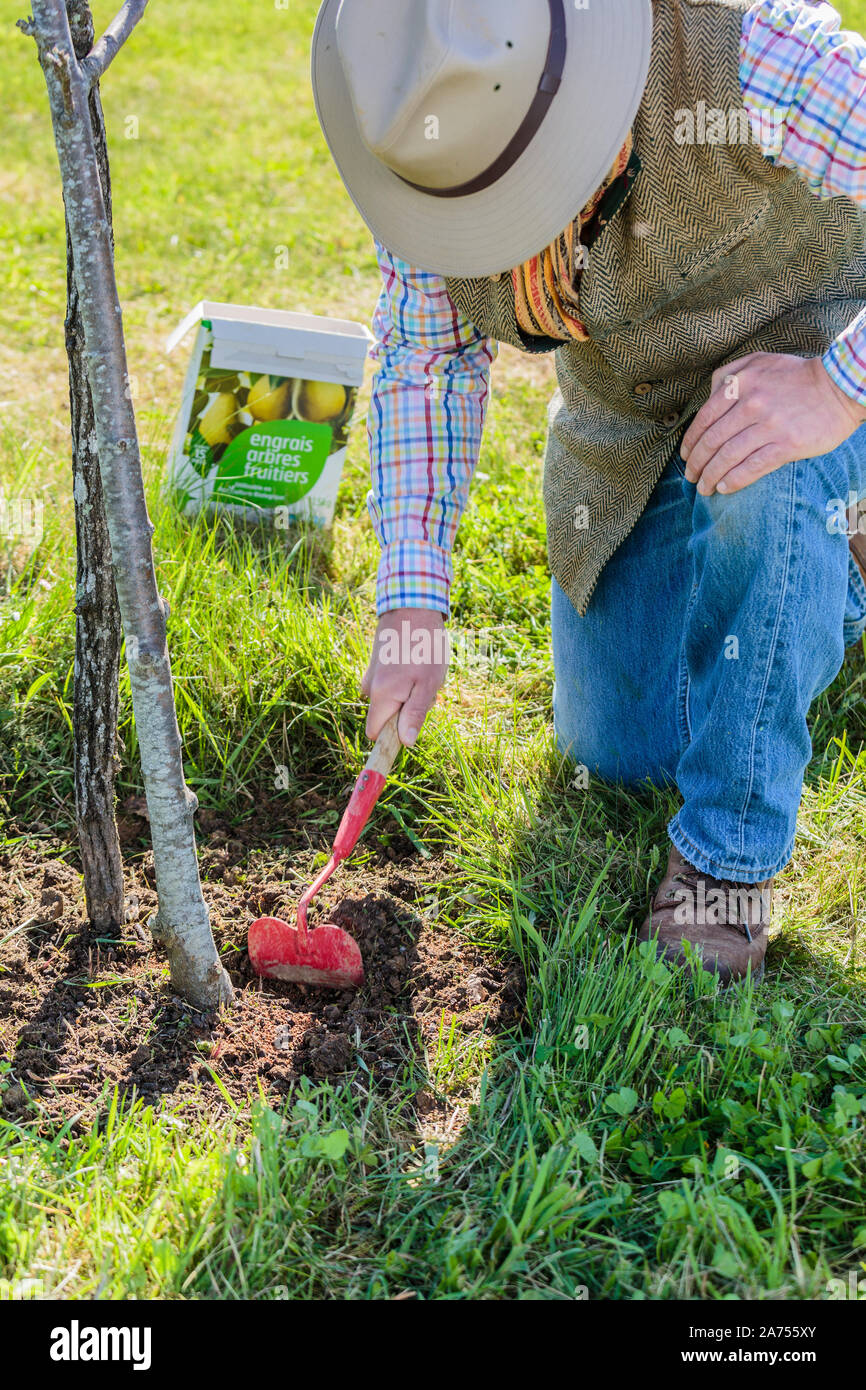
367, 790
387, 747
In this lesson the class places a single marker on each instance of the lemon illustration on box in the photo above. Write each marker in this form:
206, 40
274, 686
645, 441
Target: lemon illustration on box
266, 411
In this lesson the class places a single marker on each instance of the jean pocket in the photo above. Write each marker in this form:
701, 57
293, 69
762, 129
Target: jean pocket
677, 464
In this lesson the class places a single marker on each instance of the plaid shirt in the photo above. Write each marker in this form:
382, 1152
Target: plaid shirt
803, 85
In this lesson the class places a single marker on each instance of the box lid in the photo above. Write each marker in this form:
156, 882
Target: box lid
283, 333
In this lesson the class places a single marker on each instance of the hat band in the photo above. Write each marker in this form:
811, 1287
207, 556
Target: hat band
551, 78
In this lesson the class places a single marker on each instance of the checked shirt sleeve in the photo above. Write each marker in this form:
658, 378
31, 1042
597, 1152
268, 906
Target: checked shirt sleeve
804, 85
426, 419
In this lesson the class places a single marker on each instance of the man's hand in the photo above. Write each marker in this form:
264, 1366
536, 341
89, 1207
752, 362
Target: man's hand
406, 671
765, 410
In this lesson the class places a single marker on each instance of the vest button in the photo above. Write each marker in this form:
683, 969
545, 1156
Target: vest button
643, 388
670, 420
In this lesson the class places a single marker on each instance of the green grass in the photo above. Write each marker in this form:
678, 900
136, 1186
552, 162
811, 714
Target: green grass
644, 1139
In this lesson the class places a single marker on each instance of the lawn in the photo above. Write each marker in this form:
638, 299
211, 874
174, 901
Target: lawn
632, 1135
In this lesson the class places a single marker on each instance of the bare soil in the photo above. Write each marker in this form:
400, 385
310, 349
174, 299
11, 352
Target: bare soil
82, 1013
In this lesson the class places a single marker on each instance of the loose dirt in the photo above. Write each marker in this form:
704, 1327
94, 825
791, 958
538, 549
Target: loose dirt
82, 1013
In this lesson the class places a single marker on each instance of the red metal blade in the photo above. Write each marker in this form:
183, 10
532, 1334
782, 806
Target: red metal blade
325, 955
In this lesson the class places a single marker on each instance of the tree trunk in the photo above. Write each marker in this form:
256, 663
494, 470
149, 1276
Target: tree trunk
182, 921
97, 624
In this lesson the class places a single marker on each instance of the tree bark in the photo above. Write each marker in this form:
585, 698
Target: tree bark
97, 625
182, 921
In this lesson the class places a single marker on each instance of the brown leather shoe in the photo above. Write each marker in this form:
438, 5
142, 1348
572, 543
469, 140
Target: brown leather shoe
727, 923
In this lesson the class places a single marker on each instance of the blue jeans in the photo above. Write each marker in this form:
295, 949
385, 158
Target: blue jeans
712, 629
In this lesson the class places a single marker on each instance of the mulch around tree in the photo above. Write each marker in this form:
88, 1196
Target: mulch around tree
82, 1013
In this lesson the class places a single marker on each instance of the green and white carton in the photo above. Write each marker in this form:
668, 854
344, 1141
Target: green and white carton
266, 411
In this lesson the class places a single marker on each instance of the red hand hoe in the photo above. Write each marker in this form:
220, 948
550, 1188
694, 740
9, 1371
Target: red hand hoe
326, 955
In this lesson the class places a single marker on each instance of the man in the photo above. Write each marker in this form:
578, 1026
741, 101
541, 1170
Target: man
706, 302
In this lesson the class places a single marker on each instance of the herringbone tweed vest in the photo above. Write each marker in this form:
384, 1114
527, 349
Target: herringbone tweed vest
715, 253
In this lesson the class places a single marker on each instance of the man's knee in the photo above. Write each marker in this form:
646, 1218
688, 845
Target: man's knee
618, 749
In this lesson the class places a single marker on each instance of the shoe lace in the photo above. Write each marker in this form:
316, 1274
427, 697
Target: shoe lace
691, 876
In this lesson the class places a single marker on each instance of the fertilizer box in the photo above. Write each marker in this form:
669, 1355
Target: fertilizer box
266, 411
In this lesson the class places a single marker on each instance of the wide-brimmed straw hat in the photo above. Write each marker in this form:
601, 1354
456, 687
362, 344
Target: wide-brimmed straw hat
469, 133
